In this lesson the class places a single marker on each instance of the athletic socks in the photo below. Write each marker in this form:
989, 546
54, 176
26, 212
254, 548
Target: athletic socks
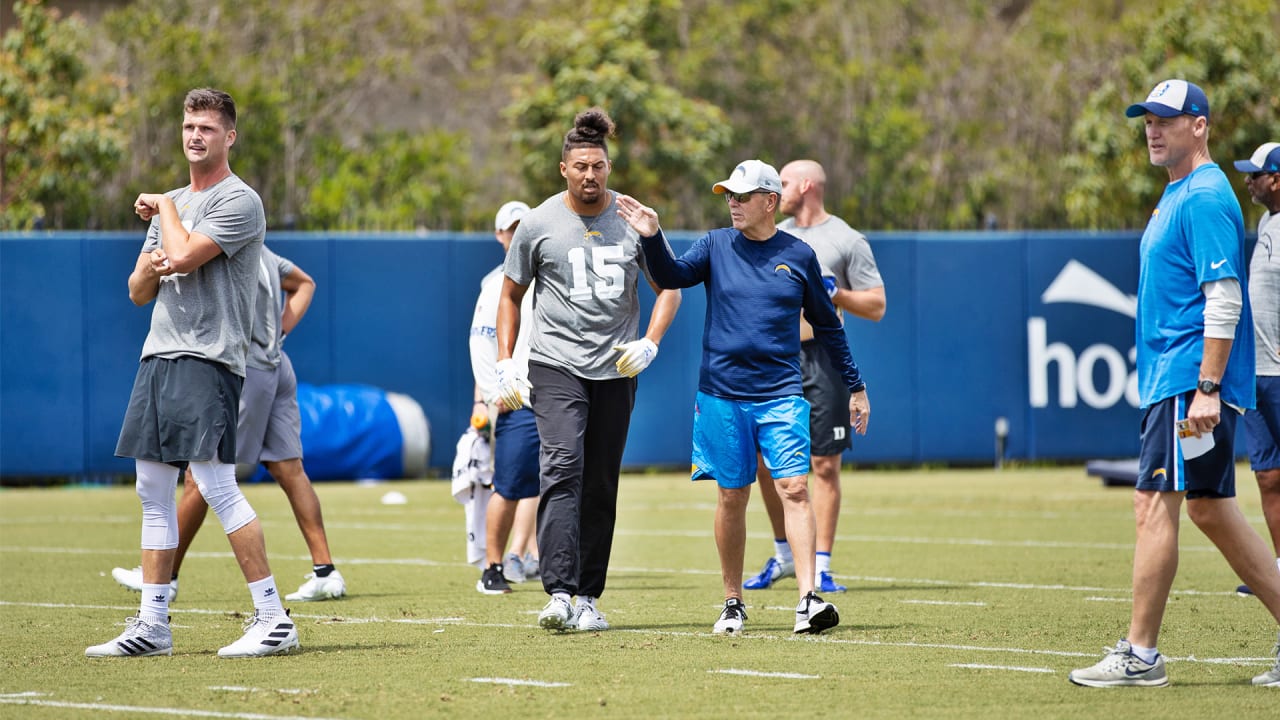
782, 550
1145, 654
155, 604
266, 599
322, 570
823, 563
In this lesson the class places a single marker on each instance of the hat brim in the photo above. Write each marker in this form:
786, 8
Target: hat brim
1246, 166
721, 188
1164, 111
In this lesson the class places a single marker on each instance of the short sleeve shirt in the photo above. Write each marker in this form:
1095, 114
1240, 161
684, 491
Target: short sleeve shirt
585, 300
1195, 236
208, 312
264, 350
1264, 294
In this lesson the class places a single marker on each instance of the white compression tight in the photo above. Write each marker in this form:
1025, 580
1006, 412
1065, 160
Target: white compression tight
157, 483
217, 483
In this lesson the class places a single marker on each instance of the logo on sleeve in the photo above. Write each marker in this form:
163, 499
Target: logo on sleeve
1216, 265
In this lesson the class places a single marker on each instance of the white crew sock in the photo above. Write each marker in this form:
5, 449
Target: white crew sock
782, 550
155, 604
266, 599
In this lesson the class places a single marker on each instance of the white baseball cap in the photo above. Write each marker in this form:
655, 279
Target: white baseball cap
750, 175
509, 214
1172, 98
1265, 159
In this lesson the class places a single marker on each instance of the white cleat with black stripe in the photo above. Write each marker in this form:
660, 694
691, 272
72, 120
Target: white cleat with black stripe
139, 639
264, 636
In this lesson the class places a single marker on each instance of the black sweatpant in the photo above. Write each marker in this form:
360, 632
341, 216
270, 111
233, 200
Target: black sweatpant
583, 428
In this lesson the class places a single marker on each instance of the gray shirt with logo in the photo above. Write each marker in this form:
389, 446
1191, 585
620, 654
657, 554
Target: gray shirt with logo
1264, 295
208, 312
585, 300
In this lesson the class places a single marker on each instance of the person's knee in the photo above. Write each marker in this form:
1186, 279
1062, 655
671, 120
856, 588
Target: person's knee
1208, 513
288, 474
1269, 481
793, 489
218, 486
826, 469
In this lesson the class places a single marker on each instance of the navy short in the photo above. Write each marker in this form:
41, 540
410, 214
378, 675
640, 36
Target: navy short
515, 455
1262, 426
1161, 466
828, 398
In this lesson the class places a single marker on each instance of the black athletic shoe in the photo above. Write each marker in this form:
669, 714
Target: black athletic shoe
492, 582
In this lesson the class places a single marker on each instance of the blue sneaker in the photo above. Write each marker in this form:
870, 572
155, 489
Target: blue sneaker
827, 584
772, 572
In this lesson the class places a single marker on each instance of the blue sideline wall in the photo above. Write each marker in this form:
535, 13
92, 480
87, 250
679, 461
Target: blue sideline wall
1033, 327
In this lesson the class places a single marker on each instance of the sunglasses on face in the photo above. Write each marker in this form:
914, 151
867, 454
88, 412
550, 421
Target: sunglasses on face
744, 197
1258, 174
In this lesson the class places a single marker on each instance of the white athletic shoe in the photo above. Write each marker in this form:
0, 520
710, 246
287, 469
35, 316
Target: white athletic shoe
320, 588
1120, 667
264, 636
1270, 678
587, 617
555, 615
731, 618
813, 615
132, 579
139, 639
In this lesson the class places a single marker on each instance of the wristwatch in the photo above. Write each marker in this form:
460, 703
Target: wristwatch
1208, 387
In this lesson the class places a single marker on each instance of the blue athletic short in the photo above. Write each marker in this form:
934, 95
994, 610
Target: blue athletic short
1161, 466
1262, 426
515, 455
727, 434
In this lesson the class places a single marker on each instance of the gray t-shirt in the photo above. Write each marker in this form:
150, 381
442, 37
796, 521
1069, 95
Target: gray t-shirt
208, 312
264, 350
1264, 295
585, 300
843, 252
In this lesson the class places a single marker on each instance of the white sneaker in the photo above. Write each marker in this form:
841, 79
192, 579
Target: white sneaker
264, 636
731, 618
132, 579
139, 639
1120, 667
320, 588
513, 568
813, 615
588, 618
1270, 678
555, 615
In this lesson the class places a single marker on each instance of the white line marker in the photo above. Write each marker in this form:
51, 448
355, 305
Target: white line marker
239, 688
943, 602
144, 710
755, 673
1095, 598
513, 681
976, 666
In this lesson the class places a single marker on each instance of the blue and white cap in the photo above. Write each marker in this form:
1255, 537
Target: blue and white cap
1265, 159
750, 175
509, 214
1172, 98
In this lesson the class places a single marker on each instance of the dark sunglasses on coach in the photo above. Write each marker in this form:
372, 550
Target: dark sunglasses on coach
1258, 174
744, 197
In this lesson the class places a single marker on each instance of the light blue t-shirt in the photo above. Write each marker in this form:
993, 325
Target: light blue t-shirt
1195, 236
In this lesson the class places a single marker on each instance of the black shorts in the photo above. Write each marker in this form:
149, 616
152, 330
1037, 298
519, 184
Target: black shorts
181, 410
828, 398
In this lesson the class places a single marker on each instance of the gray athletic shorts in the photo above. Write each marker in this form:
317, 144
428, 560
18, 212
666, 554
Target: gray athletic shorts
270, 427
181, 409
828, 398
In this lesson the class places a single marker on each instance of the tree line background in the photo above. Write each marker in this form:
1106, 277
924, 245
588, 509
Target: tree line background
428, 114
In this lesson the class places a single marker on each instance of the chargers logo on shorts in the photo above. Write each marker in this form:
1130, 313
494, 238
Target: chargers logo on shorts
782, 266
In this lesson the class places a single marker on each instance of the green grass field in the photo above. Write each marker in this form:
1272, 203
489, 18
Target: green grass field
972, 593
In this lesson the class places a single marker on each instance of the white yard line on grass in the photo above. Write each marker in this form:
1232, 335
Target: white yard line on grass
513, 681
1014, 668
239, 688
756, 673
943, 602
36, 699
786, 637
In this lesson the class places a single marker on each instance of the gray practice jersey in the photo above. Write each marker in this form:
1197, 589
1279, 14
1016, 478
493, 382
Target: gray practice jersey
208, 312
1264, 295
585, 300
843, 252
264, 350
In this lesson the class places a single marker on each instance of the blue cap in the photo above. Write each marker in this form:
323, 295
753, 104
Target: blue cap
1265, 159
1172, 98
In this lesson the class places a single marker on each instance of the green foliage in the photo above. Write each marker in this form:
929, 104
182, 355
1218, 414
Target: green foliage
60, 122
1229, 52
665, 141
393, 182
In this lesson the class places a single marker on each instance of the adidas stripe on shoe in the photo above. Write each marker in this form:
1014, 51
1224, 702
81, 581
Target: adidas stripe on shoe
139, 639
264, 636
